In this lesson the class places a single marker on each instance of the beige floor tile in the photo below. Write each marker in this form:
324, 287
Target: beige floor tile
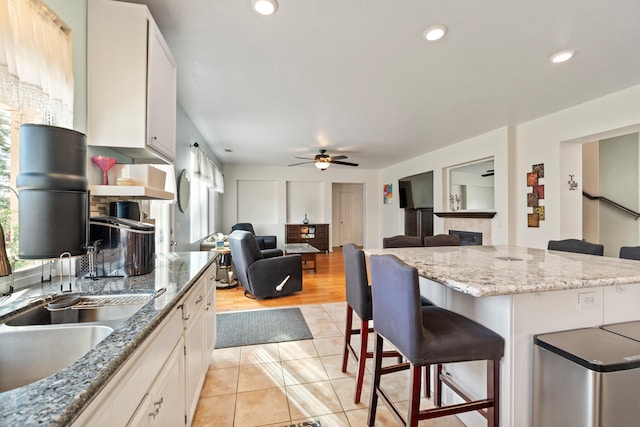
292, 350
383, 417
329, 346
346, 390
263, 353
310, 309
218, 382
325, 329
311, 400
260, 376
225, 358
215, 411
262, 407
303, 371
333, 366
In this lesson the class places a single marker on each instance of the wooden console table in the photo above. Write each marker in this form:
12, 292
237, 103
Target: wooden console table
317, 235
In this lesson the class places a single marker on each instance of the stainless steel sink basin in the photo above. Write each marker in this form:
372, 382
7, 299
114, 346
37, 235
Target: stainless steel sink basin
110, 311
28, 354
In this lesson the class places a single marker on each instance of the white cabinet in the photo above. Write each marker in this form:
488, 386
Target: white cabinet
144, 379
131, 83
194, 342
210, 310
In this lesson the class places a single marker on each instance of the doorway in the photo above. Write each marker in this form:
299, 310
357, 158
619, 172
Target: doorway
348, 214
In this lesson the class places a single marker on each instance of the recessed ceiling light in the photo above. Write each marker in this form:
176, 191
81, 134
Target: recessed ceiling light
434, 33
562, 56
265, 7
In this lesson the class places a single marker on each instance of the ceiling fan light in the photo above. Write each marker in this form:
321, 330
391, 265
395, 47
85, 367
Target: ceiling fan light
265, 7
562, 56
322, 165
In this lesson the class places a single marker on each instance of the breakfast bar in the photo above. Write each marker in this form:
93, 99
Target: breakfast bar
520, 292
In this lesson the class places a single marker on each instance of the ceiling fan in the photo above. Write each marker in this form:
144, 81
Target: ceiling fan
322, 161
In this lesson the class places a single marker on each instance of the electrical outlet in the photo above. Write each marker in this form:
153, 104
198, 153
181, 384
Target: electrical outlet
586, 300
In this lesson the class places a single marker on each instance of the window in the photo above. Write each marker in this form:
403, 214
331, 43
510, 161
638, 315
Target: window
206, 182
36, 86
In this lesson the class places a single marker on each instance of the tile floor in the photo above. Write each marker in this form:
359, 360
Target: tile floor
274, 385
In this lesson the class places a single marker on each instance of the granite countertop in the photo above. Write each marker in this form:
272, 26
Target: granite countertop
58, 399
503, 270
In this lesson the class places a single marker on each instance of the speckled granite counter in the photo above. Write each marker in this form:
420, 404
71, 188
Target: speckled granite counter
518, 293
58, 399
504, 270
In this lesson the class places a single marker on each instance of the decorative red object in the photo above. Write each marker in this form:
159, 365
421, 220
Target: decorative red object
104, 163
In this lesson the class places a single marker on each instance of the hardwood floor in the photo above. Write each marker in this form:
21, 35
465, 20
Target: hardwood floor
324, 286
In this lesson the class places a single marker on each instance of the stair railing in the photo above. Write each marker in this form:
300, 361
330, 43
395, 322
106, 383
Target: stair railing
610, 202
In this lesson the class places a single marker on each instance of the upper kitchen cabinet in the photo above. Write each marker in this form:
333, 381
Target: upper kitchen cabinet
131, 81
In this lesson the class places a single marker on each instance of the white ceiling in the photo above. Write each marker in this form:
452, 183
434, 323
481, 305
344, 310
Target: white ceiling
356, 77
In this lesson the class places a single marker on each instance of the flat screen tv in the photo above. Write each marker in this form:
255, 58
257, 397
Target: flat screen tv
416, 191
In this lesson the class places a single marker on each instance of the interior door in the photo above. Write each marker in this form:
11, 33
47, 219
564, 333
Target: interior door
346, 218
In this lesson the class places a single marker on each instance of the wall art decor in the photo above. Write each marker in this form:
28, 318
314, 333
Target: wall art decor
387, 195
535, 195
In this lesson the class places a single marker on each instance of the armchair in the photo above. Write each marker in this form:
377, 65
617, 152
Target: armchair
263, 277
265, 243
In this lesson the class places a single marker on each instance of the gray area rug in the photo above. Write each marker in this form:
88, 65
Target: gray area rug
261, 327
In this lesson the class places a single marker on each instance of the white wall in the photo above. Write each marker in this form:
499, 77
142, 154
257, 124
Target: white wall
555, 141
491, 144
288, 209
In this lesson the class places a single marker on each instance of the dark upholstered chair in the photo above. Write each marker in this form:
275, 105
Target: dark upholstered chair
263, 277
358, 300
268, 244
426, 335
442, 240
630, 252
576, 246
401, 241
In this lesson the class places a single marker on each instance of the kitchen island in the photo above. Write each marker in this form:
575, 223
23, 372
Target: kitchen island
60, 398
519, 292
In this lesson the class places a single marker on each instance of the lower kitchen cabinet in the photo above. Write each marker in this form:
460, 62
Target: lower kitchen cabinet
161, 382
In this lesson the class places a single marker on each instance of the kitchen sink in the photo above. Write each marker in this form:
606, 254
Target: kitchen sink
107, 310
28, 354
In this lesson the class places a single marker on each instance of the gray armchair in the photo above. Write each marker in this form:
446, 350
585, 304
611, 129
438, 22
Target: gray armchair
263, 277
267, 244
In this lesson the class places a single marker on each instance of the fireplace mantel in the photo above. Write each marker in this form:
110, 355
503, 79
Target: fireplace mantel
466, 214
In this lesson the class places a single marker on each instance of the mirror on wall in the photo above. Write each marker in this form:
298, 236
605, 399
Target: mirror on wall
471, 186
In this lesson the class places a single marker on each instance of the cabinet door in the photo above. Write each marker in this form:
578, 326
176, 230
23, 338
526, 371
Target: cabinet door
210, 312
161, 94
168, 405
194, 360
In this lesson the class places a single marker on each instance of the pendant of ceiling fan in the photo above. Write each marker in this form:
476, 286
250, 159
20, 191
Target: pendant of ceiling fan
323, 160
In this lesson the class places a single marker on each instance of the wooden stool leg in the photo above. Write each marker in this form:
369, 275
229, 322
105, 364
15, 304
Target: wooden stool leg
437, 389
347, 338
427, 381
414, 396
375, 382
493, 392
362, 359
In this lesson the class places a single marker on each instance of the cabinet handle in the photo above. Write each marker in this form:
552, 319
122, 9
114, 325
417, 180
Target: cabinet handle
199, 300
187, 318
155, 413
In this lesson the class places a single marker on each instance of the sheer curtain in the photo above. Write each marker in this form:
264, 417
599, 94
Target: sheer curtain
36, 74
206, 177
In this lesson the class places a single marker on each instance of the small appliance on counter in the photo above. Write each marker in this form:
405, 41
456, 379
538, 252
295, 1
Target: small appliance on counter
121, 247
125, 209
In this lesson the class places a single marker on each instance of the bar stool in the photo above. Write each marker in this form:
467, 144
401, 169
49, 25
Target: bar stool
576, 246
630, 252
427, 335
359, 300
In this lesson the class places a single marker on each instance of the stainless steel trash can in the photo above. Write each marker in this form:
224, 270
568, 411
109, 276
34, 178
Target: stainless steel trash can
626, 329
586, 377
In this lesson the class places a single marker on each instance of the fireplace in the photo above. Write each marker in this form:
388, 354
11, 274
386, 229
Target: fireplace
468, 238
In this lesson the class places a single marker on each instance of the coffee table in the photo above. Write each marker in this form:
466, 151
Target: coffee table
305, 250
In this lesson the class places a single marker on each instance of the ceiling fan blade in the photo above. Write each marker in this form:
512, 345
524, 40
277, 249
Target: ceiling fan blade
338, 157
301, 163
303, 158
338, 162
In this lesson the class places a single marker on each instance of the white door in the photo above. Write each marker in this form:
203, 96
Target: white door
346, 218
